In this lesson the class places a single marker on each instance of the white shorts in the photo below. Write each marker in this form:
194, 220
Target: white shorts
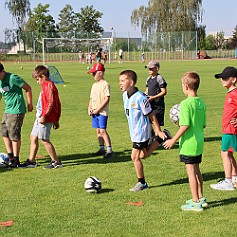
42, 131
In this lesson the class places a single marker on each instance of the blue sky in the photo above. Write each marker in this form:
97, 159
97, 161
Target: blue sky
219, 15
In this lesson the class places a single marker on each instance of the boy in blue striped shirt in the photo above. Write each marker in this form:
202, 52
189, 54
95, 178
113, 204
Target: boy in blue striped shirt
138, 112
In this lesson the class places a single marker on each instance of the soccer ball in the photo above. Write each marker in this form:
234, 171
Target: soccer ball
88, 68
92, 185
4, 160
21, 67
174, 114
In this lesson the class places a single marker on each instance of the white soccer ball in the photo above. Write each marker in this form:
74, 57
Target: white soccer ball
88, 68
21, 67
4, 160
174, 114
92, 185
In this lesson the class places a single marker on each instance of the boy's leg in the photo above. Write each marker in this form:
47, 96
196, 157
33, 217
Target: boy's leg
34, 146
199, 180
226, 184
51, 150
141, 184
191, 171
137, 163
226, 158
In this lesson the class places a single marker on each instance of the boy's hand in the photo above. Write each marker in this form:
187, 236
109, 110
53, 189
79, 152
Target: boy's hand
56, 125
233, 121
161, 135
30, 107
168, 143
42, 120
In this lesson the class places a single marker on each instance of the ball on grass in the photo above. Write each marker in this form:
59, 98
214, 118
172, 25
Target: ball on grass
88, 68
92, 185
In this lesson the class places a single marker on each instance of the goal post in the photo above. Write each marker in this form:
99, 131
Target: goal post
65, 49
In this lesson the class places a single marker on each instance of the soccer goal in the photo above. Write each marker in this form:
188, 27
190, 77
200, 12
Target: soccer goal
64, 49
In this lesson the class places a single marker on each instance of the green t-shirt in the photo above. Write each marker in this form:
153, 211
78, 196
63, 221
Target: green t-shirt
192, 114
11, 90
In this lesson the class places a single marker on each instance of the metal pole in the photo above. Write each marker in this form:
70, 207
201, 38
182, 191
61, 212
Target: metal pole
43, 51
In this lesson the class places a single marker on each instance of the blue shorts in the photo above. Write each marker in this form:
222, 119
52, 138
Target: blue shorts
99, 121
229, 142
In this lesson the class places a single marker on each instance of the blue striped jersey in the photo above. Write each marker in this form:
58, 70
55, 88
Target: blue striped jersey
137, 107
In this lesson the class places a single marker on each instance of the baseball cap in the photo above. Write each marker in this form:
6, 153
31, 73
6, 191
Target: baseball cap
152, 64
97, 67
227, 72
1, 67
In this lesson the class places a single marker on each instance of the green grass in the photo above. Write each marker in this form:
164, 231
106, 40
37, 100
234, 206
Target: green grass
54, 202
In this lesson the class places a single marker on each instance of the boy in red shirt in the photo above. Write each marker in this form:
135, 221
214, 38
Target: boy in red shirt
48, 112
229, 129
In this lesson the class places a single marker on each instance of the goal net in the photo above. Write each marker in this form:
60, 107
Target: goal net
64, 49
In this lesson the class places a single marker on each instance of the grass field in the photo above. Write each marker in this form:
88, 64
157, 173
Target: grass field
54, 203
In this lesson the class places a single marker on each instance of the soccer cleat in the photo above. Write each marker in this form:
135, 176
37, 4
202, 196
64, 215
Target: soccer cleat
100, 152
192, 206
223, 185
28, 164
109, 155
202, 200
139, 187
54, 165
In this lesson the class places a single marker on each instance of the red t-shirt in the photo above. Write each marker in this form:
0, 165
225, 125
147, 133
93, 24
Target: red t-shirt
230, 111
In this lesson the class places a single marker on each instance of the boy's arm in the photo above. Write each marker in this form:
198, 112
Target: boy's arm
169, 143
157, 96
102, 105
28, 90
90, 108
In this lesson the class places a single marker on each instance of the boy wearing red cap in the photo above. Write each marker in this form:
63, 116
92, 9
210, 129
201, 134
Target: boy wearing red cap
229, 130
99, 107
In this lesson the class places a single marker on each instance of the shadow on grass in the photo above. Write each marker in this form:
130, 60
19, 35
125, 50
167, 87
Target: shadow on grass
89, 158
223, 202
212, 139
106, 190
206, 177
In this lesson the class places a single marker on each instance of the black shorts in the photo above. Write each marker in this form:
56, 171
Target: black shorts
160, 114
191, 159
140, 145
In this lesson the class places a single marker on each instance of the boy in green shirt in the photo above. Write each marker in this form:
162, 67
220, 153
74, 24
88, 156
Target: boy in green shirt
192, 121
11, 87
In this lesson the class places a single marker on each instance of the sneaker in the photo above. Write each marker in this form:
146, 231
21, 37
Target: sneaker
192, 206
202, 200
28, 164
108, 155
53, 165
14, 162
139, 187
167, 133
223, 185
100, 153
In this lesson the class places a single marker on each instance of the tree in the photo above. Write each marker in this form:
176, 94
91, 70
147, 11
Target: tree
219, 40
67, 18
201, 34
168, 16
88, 22
19, 9
210, 42
41, 24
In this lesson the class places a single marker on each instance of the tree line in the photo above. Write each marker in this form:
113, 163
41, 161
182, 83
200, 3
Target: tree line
157, 16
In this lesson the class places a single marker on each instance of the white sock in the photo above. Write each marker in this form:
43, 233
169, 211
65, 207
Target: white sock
228, 180
109, 149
